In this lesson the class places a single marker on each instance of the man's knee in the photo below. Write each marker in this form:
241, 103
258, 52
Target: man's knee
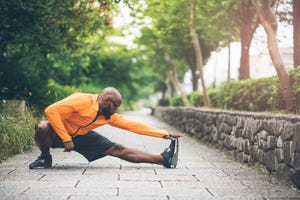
116, 150
44, 134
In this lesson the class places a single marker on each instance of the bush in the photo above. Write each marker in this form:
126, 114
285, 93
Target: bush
176, 101
164, 102
295, 78
57, 92
16, 134
250, 95
196, 99
213, 95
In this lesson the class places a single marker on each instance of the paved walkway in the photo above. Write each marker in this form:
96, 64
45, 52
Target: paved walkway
202, 173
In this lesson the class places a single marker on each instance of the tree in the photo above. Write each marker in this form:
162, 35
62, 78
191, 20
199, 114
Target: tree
198, 53
162, 39
190, 43
248, 23
34, 31
269, 22
296, 25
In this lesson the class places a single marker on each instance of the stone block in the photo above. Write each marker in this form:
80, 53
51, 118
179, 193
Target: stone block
263, 135
296, 161
278, 128
246, 146
251, 128
227, 129
287, 152
284, 172
241, 157
270, 160
279, 143
240, 123
214, 133
271, 142
231, 121
223, 136
296, 139
239, 144
260, 155
262, 144
279, 154
254, 152
288, 131
296, 179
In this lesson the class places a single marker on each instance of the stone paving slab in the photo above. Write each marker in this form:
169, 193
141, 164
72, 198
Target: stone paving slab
202, 173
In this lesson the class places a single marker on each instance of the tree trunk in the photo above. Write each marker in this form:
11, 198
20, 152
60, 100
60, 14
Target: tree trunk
190, 57
247, 30
268, 20
174, 80
198, 54
296, 25
228, 64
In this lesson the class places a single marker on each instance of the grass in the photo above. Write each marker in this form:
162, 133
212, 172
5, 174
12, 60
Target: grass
16, 134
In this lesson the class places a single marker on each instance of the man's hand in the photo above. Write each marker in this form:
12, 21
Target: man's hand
172, 136
69, 146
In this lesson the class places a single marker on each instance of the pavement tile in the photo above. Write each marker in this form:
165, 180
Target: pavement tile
119, 184
89, 197
68, 191
142, 191
188, 193
150, 177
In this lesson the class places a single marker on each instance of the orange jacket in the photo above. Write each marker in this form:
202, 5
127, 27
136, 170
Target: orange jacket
79, 109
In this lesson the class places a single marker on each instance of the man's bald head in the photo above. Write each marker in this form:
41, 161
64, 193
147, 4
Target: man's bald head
111, 93
109, 99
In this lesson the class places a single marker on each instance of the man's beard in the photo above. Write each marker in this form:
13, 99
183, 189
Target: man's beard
106, 112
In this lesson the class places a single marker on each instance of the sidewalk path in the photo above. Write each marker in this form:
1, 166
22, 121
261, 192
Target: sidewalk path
202, 173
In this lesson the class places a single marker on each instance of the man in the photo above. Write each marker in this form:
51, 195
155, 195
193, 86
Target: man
70, 126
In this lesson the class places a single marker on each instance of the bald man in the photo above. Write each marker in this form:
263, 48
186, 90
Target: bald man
70, 126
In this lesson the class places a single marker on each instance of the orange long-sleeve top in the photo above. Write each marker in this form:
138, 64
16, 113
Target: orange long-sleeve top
80, 109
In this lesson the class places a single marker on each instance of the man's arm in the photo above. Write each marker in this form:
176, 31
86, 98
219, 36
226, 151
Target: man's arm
53, 113
140, 128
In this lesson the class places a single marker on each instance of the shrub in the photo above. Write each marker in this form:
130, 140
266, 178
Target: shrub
16, 134
57, 92
213, 95
196, 99
164, 102
295, 78
176, 101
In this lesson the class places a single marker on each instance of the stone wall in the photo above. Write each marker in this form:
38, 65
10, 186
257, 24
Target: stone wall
269, 141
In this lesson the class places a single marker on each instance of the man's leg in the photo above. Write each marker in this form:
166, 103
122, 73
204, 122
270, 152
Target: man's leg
134, 155
44, 138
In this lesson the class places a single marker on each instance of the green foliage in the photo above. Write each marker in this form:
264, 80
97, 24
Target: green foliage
295, 78
247, 95
196, 99
57, 92
214, 97
176, 101
39, 40
164, 102
16, 134
251, 95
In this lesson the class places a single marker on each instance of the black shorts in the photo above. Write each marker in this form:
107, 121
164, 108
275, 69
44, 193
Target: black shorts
91, 145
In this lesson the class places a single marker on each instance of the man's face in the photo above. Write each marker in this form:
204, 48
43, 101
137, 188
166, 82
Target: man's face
109, 109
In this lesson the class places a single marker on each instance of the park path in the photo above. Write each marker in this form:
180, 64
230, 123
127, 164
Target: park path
202, 173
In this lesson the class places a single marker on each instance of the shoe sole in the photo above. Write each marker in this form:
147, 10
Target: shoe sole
174, 159
41, 167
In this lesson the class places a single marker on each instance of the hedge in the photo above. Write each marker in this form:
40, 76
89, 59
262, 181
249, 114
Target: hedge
248, 95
